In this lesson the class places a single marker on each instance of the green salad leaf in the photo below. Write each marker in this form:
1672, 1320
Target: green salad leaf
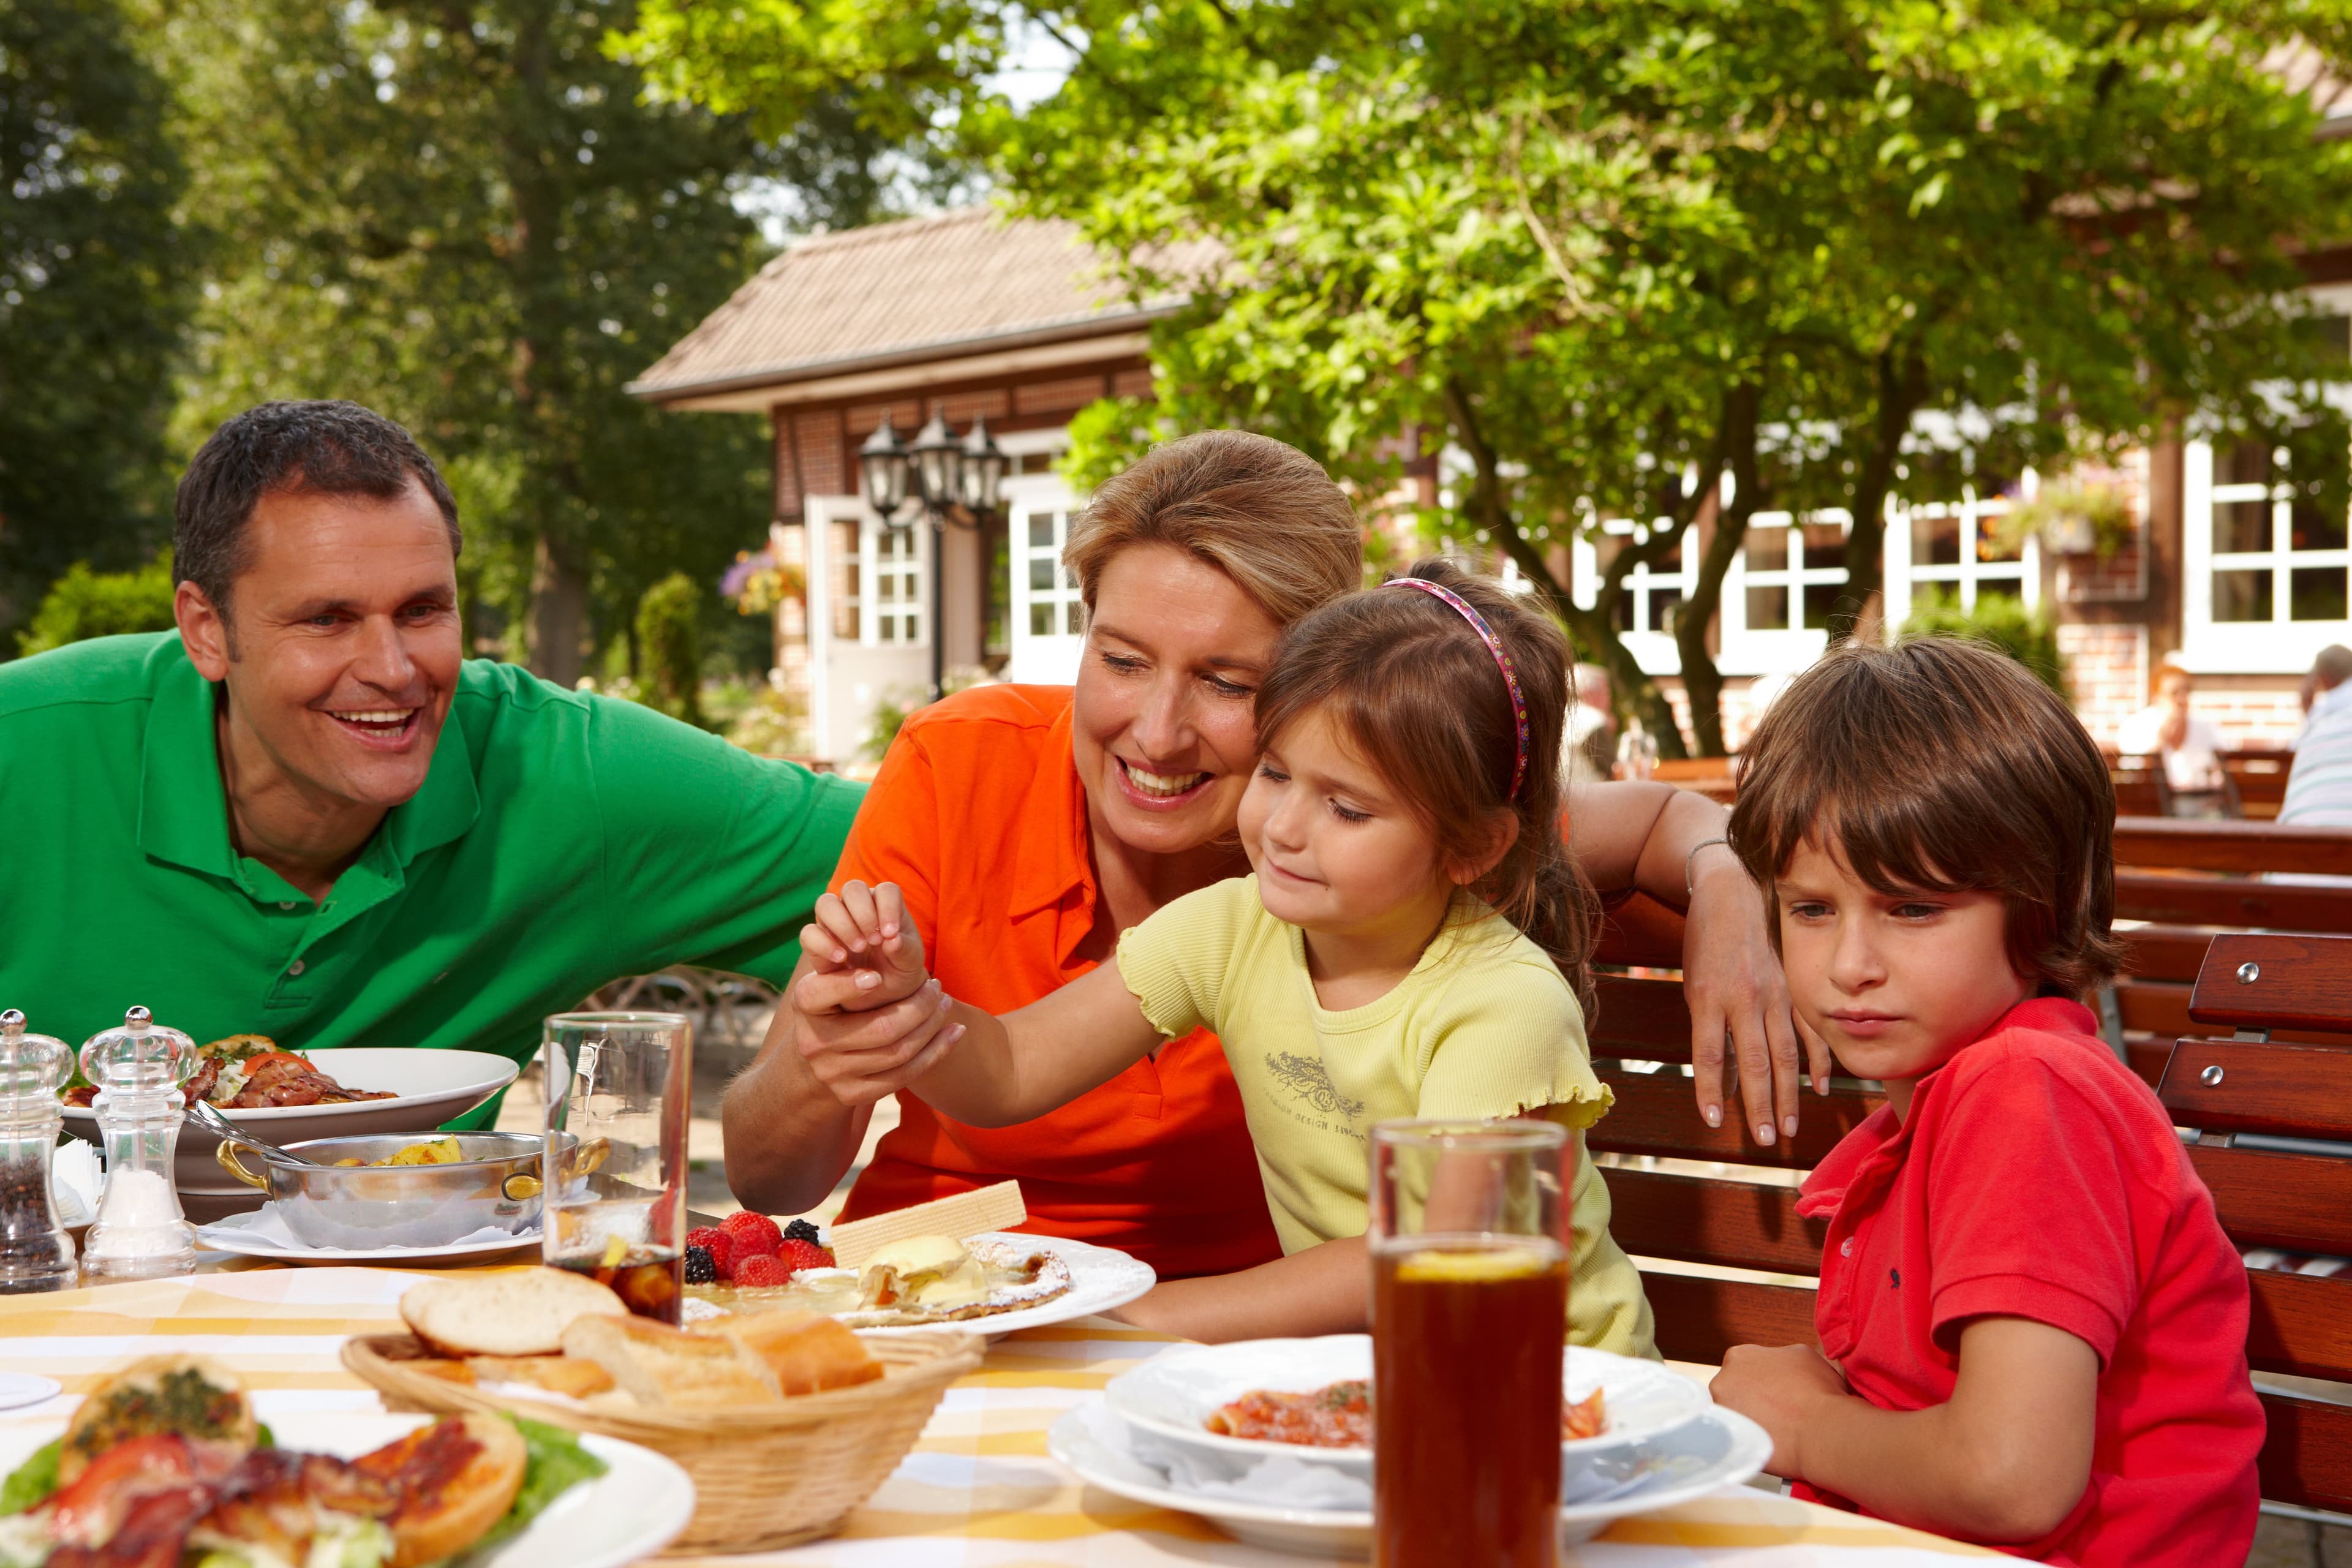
33, 1480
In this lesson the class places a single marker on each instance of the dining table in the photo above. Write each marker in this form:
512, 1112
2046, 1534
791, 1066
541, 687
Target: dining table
978, 1491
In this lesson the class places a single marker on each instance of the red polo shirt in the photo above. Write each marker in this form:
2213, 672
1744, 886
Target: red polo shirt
2038, 1177
979, 815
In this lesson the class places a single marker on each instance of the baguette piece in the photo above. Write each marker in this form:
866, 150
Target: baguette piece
556, 1373
669, 1368
522, 1313
806, 1351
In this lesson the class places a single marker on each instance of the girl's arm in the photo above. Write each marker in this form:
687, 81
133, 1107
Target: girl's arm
1019, 1067
2004, 1460
1326, 1289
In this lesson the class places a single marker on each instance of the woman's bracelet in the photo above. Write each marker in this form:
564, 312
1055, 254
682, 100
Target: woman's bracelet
1690, 888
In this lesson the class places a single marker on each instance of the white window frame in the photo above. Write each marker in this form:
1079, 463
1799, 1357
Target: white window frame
1032, 658
2279, 646
1776, 650
1655, 651
911, 574
1906, 576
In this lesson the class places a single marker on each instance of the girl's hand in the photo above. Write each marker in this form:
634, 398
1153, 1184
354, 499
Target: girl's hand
1779, 1389
1733, 982
867, 954
859, 1056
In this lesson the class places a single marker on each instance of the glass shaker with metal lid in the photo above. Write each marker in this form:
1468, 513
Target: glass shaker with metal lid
138, 1069
35, 1252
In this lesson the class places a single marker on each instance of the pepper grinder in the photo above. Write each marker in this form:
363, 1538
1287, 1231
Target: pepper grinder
138, 1069
35, 1252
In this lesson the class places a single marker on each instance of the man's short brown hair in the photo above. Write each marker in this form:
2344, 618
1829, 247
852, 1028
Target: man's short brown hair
1942, 765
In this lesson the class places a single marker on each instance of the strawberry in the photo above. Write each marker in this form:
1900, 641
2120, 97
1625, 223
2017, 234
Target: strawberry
752, 1233
762, 1268
716, 1242
796, 1255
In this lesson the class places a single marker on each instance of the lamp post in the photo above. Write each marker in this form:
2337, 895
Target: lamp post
949, 475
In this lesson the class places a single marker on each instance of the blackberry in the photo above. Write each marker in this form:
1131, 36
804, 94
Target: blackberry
700, 1268
801, 1230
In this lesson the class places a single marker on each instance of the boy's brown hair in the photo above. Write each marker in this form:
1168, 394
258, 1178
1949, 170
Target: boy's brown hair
1404, 675
1941, 766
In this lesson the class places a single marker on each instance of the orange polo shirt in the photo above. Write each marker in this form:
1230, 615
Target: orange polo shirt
979, 815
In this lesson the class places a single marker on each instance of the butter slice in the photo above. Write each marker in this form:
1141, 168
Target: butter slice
965, 1215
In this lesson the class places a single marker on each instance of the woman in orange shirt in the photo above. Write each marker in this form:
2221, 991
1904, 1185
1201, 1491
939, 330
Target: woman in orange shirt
1029, 825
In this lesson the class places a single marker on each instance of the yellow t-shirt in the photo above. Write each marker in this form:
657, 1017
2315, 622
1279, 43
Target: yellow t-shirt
1484, 1028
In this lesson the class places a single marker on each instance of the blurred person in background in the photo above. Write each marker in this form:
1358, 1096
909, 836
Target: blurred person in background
1591, 733
2188, 747
2319, 787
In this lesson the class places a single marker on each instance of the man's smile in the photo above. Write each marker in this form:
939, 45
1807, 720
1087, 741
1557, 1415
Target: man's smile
389, 727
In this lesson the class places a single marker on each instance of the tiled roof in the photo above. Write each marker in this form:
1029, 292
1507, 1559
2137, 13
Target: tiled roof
931, 286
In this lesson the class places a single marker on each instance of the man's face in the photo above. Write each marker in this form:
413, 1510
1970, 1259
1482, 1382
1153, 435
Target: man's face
341, 648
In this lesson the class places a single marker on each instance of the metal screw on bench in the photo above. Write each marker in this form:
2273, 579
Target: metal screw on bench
2211, 1076
2249, 971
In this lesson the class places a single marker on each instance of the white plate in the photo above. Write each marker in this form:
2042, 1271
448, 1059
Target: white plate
1174, 1393
1719, 1449
224, 1236
18, 1389
634, 1509
1101, 1278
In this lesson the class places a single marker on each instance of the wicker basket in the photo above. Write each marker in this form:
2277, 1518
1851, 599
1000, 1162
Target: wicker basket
764, 1477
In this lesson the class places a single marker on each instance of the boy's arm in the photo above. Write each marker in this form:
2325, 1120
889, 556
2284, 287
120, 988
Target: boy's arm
1017, 1067
1325, 1289
2004, 1460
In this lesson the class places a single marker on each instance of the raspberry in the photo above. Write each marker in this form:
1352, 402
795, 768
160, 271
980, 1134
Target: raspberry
801, 1230
700, 1269
752, 1233
762, 1268
716, 1242
796, 1255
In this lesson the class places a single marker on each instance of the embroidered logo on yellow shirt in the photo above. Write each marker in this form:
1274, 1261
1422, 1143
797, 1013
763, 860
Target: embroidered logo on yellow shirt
1310, 1081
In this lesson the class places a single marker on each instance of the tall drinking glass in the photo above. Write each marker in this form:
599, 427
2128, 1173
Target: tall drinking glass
1469, 1316
619, 1090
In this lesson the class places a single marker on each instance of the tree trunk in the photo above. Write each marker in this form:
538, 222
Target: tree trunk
1902, 388
559, 614
1702, 681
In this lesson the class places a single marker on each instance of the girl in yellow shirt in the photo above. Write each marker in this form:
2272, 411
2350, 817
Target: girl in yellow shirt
1413, 943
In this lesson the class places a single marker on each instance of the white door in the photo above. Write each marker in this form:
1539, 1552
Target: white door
1048, 619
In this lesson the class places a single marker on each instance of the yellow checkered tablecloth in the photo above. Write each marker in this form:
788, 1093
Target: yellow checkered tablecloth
978, 1491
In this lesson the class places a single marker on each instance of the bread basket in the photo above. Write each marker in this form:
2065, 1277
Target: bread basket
764, 1477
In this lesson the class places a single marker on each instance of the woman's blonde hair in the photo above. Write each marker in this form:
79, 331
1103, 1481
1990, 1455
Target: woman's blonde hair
1262, 512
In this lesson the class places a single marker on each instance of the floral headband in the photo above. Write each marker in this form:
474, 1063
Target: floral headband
1502, 662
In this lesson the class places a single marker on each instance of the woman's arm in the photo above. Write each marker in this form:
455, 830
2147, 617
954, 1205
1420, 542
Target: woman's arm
1326, 1289
789, 1138
1646, 835
2004, 1460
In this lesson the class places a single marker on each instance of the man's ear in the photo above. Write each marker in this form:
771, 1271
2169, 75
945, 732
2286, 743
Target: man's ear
204, 631
1502, 832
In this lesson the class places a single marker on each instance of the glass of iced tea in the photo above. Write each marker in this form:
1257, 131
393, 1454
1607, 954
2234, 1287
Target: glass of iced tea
1469, 1317
619, 1090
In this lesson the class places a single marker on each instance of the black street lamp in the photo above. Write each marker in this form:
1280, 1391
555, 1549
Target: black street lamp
948, 474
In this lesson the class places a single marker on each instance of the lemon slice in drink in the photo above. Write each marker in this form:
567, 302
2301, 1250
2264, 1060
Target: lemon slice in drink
1482, 1266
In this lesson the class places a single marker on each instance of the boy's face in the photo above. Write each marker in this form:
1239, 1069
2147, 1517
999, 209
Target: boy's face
1896, 984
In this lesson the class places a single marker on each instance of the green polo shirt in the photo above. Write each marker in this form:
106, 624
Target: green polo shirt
561, 841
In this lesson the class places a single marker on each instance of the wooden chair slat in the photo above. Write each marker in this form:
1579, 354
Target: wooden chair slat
2232, 901
2299, 1202
2302, 1324
2166, 952
1656, 1113
2180, 844
2296, 983
1643, 1019
2154, 1006
2297, 1091
1705, 1219
1638, 930
1699, 1319
2307, 1458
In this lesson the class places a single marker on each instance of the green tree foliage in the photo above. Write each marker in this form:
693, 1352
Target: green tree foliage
1999, 621
669, 646
95, 288
85, 604
1610, 256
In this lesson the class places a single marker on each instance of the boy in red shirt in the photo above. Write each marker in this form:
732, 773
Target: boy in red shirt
2032, 1328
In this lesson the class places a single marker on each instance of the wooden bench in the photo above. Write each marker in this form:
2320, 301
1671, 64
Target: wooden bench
1736, 1210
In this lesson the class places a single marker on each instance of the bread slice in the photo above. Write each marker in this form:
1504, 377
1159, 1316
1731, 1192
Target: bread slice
455, 1479
521, 1314
806, 1351
557, 1374
660, 1365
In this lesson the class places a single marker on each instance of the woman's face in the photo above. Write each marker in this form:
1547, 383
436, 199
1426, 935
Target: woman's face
1163, 726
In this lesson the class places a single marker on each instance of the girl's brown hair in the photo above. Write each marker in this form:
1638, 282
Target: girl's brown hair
1412, 684
1942, 765
1262, 512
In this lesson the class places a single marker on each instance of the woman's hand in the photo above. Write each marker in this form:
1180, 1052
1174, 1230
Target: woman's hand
1733, 982
870, 1020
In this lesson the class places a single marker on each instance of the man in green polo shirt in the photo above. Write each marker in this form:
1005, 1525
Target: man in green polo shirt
306, 814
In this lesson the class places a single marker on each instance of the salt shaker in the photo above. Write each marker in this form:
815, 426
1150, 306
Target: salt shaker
138, 1069
35, 1252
